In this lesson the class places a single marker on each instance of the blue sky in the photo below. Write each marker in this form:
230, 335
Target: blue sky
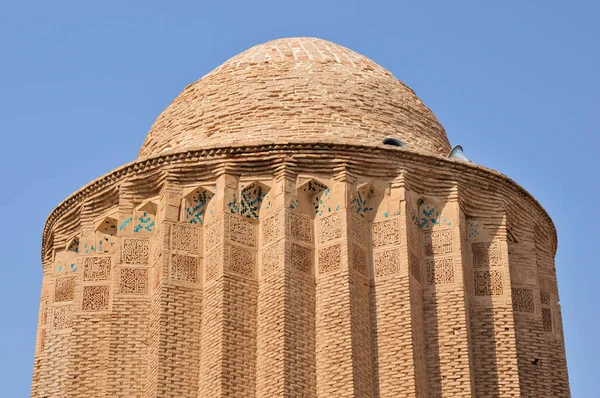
515, 82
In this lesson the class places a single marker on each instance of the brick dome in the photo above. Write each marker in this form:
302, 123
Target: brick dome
296, 90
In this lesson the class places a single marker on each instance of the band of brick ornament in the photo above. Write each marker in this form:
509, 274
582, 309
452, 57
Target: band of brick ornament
315, 270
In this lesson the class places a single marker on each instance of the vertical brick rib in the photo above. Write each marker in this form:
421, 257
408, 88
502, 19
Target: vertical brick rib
445, 302
343, 342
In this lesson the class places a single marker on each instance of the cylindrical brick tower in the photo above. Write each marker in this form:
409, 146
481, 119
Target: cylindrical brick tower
265, 243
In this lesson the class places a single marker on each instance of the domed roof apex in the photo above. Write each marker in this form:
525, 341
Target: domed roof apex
296, 90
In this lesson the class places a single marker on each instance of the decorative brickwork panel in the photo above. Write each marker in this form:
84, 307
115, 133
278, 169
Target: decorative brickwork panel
486, 254
96, 269
488, 283
547, 319
437, 242
64, 289
272, 258
522, 299
186, 238
214, 263
184, 268
358, 229
95, 298
440, 271
414, 236
62, 316
272, 228
213, 233
386, 232
545, 297
301, 258
415, 267
301, 227
133, 281
241, 231
242, 261
330, 228
330, 258
135, 251
359, 260
386, 262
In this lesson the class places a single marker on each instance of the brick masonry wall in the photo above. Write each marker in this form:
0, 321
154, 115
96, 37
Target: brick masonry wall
302, 285
343, 94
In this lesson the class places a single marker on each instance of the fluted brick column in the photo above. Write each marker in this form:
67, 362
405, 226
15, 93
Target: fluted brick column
343, 341
285, 340
228, 363
485, 252
445, 299
397, 298
176, 302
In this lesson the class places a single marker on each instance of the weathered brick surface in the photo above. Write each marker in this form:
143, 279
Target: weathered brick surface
294, 256
371, 102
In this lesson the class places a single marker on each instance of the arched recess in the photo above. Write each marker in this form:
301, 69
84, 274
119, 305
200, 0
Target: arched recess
313, 198
251, 201
70, 257
106, 235
145, 216
196, 205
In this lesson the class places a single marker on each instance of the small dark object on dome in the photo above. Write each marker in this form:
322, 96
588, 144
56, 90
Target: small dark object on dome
394, 142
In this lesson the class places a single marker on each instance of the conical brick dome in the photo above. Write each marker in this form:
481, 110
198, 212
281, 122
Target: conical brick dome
296, 90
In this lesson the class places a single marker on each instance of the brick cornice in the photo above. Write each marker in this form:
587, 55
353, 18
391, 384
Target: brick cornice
150, 173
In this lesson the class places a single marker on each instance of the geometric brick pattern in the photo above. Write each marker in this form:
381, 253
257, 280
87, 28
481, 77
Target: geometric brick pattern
95, 298
271, 259
301, 258
214, 263
359, 260
547, 319
96, 269
329, 258
330, 228
545, 297
242, 261
133, 281
213, 233
358, 230
301, 227
241, 230
64, 289
62, 316
522, 299
135, 251
386, 262
184, 268
488, 283
437, 242
185, 238
486, 254
386, 232
272, 228
440, 271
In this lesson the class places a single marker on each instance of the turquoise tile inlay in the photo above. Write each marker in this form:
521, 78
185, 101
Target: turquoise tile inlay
197, 204
145, 222
127, 221
74, 246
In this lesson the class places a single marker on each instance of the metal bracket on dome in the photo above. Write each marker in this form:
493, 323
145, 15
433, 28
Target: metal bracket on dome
393, 142
457, 153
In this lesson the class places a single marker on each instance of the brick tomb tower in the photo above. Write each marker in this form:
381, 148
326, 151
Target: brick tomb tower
265, 243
